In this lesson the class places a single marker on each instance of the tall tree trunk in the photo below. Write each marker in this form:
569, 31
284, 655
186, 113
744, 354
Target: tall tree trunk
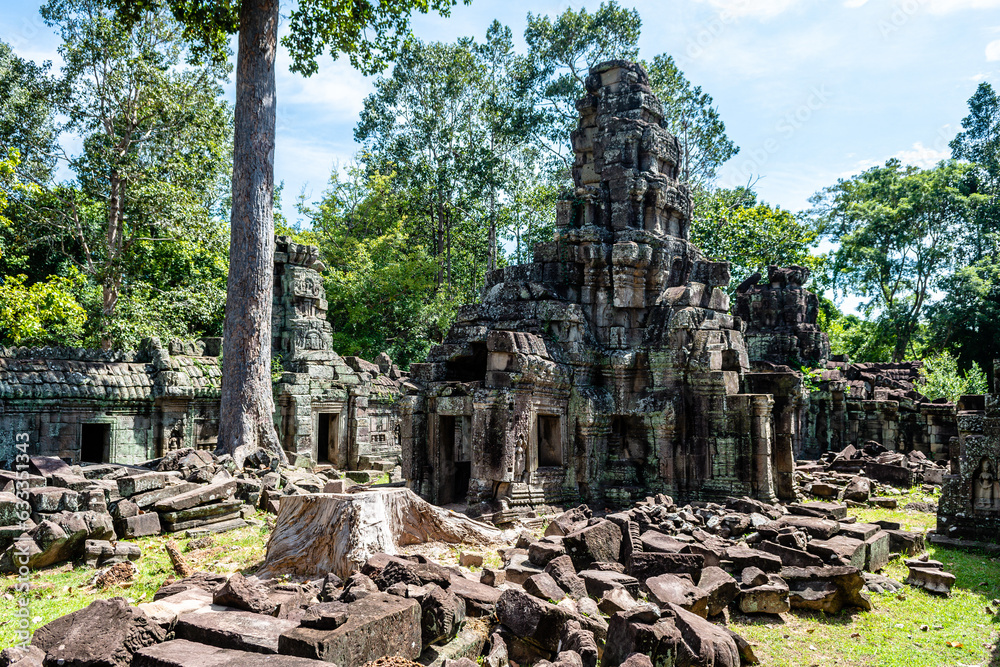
246, 419
111, 280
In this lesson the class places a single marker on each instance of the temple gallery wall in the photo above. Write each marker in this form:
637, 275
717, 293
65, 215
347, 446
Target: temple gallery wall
611, 367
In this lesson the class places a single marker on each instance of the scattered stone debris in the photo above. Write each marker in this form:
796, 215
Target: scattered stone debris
929, 575
177, 561
116, 575
85, 512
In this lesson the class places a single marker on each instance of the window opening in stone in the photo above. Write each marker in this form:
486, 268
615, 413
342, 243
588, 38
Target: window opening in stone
95, 442
549, 441
470, 367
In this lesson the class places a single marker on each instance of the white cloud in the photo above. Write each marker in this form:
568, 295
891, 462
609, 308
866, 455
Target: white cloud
918, 156
760, 9
336, 89
922, 156
993, 51
854, 4
948, 6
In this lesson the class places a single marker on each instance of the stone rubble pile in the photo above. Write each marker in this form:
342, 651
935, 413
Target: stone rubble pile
83, 511
856, 476
639, 587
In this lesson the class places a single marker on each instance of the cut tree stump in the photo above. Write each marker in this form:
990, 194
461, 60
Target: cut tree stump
338, 532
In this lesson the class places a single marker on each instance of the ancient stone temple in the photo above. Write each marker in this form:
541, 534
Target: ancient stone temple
969, 509
135, 405
783, 343
609, 367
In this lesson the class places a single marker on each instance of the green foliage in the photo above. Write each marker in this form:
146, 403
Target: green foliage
966, 321
942, 378
732, 225
141, 217
979, 142
45, 313
898, 229
379, 284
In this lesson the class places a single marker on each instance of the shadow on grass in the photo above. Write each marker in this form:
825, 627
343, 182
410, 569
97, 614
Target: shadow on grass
844, 617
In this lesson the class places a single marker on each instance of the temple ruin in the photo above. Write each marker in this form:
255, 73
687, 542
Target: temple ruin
131, 406
610, 367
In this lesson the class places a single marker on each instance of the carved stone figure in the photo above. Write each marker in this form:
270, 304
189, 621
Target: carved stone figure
983, 486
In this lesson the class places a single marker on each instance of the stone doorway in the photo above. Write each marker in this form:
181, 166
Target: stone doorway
549, 442
328, 439
95, 443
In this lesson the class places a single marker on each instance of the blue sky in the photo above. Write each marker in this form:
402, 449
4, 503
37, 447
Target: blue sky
810, 90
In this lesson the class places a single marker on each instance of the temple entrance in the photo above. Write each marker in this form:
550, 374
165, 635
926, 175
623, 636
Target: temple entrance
95, 442
549, 442
455, 463
328, 439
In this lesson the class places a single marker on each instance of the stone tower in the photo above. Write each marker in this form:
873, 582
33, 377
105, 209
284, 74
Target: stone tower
609, 367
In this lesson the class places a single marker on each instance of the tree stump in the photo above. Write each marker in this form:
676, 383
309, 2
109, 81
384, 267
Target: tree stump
338, 532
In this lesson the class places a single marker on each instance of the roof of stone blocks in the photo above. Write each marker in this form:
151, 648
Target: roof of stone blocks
42, 378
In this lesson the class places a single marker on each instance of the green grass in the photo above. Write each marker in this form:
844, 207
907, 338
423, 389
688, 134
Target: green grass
890, 635
62, 589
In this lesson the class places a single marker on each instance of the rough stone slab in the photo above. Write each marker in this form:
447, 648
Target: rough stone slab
49, 499
200, 496
165, 611
47, 465
520, 568
378, 625
877, 551
790, 557
240, 630
220, 527
106, 633
840, 550
202, 511
822, 529
150, 498
678, 590
658, 542
480, 599
13, 510
600, 542
859, 531
643, 565
140, 525
834, 511
200, 523
598, 581
184, 653
131, 485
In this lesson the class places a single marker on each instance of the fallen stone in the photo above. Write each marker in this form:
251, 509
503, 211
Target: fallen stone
827, 589
840, 550
480, 600
770, 598
105, 633
905, 542
131, 485
493, 577
184, 653
13, 510
658, 542
240, 592
932, 579
877, 551
377, 625
140, 525
743, 557
791, 557
599, 542
545, 587
815, 527
615, 600
581, 642
720, 588
541, 552
199, 496
598, 581
47, 465
671, 637
19, 656
441, 615
858, 489
165, 611
562, 571
240, 630
150, 498
678, 590
642, 565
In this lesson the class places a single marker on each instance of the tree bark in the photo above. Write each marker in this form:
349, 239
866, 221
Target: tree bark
246, 419
338, 532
